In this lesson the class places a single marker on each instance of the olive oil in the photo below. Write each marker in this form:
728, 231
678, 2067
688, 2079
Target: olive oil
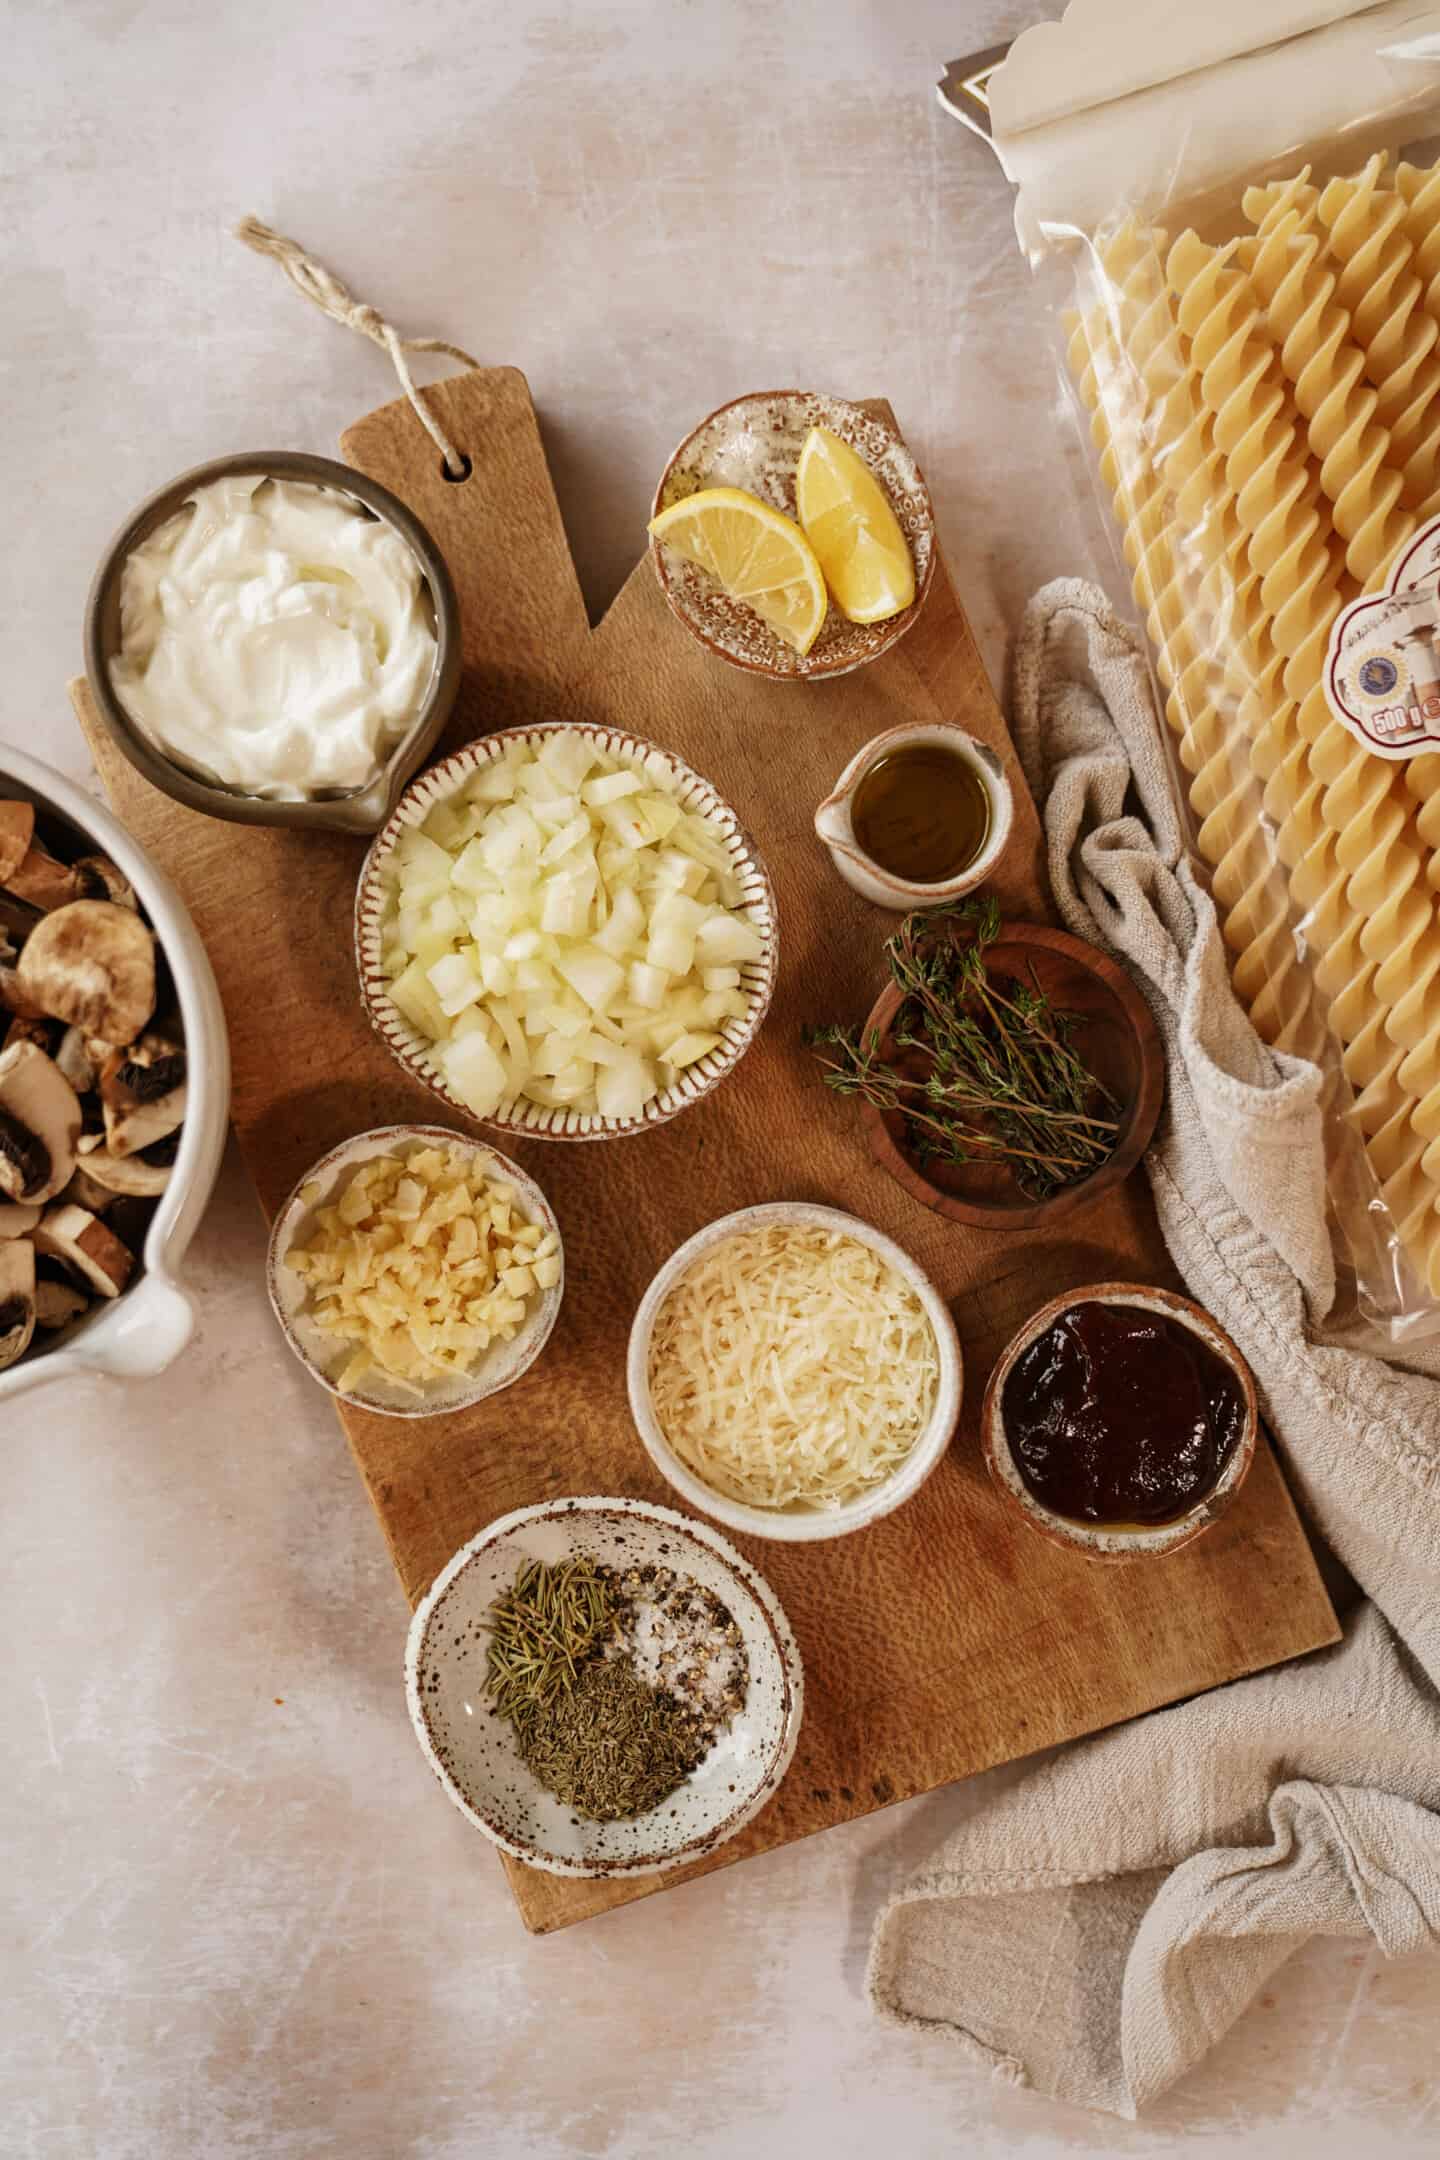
922, 813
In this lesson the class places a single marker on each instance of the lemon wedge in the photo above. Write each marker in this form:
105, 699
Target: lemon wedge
849, 522
759, 555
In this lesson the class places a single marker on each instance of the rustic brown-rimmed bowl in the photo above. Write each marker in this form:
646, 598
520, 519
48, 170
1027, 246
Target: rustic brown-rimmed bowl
1119, 1541
361, 810
472, 1750
1118, 1040
499, 1367
520, 1116
754, 443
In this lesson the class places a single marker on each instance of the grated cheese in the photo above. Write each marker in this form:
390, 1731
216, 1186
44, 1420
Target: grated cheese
792, 1367
419, 1264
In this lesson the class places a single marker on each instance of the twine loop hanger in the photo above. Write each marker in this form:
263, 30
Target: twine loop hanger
334, 298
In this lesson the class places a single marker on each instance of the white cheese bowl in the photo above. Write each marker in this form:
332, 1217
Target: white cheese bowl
519, 1116
795, 1526
472, 1750
143, 1330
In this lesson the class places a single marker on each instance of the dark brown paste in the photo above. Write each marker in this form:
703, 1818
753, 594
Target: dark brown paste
1120, 1415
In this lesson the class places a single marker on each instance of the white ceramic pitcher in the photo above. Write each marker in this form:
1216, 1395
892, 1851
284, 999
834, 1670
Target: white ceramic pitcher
834, 823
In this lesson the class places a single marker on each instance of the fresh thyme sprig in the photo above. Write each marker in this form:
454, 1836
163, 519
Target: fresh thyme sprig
1003, 1082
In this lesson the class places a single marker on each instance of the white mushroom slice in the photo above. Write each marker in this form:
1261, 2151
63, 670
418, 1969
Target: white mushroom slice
17, 829
102, 1177
44, 882
92, 963
17, 1300
17, 1218
74, 1057
142, 1093
101, 879
58, 1303
40, 1120
81, 1240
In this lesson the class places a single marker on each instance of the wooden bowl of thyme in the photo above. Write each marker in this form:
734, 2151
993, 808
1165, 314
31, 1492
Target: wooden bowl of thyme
1008, 1075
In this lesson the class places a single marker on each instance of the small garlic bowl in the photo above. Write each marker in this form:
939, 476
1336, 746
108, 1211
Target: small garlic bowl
500, 1366
472, 1749
519, 1116
797, 1526
835, 826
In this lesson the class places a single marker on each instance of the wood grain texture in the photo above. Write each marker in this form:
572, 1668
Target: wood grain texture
948, 1637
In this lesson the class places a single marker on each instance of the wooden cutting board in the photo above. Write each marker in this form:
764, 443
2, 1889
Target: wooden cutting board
948, 1637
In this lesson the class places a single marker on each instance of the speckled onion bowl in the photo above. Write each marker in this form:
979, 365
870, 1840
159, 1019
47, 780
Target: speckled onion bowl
797, 1526
1119, 1541
356, 810
754, 443
472, 1750
518, 1116
500, 1366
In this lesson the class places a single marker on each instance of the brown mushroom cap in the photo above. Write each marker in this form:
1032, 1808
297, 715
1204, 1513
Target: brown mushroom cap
17, 1218
87, 1247
44, 882
17, 1300
39, 1125
58, 1303
17, 829
93, 964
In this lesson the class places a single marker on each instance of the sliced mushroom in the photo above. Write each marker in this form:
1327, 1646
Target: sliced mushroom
17, 1299
17, 1218
101, 879
58, 1303
17, 829
44, 882
102, 1176
92, 963
39, 1125
87, 1247
143, 1093
76, 1059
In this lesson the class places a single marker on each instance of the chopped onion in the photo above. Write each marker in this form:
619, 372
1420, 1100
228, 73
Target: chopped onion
563, 930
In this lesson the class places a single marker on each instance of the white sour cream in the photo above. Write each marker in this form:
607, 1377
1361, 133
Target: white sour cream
274, 637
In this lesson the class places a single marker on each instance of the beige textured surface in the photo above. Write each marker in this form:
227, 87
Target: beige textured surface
239, 1927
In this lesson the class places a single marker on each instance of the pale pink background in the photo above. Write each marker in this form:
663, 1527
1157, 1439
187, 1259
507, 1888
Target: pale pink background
237, 1926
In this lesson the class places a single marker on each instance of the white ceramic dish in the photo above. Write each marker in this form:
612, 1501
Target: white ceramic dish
835, 826
472, 1751
1119, 1541
500, 1366
535, 1120
798, 1525
144, 1330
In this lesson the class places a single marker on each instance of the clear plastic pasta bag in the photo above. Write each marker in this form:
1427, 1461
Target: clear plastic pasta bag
1234, 213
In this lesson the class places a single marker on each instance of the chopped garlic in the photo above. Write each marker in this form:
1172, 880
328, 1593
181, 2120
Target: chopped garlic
419, 1264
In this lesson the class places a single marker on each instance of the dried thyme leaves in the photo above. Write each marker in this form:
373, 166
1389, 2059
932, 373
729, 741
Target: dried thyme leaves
616, 1683
1003, 1081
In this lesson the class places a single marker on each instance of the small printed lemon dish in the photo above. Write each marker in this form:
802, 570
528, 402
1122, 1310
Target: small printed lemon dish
564, 931
414, 1270
793, 534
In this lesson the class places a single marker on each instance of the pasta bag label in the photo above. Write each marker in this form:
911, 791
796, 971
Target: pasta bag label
1382, 669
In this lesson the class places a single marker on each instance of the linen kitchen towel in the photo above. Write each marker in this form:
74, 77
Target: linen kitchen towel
1098, 1927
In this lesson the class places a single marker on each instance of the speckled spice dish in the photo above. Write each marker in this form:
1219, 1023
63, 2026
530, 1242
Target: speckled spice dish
472, 1750
1117, 1541
360, 810
754, 443
536, 1121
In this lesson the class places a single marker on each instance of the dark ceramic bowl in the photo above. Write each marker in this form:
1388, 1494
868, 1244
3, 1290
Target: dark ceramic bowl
362, 810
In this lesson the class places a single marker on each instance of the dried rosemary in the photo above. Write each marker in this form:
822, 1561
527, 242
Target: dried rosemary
616, 1684
1001, 1082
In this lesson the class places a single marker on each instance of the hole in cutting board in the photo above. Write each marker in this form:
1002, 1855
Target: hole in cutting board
455, 478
